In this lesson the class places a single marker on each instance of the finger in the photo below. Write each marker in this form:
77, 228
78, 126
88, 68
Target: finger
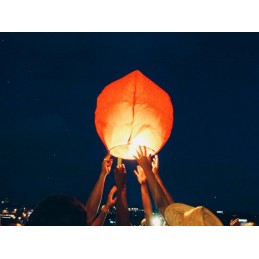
113, 189
157, 160
141, 151
110, 161
123, 168
144, 151
136, 173
107, 157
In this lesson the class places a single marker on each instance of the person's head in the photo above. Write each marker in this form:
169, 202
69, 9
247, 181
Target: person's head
179, 214
58, 210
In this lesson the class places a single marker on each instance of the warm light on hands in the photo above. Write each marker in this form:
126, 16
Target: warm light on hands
235, 222
107, 164
155, 165
142, 179
110, 199
143, 160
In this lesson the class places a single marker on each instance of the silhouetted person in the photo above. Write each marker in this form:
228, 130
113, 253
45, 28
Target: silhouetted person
64, 210
58, 210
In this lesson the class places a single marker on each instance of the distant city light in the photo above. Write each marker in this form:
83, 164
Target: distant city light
243, 220
220, 211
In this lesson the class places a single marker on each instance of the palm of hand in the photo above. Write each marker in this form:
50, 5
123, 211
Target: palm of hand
140, 175
142, 178
106, 166
144, 162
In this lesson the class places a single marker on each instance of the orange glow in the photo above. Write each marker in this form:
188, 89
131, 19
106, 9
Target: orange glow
133, 111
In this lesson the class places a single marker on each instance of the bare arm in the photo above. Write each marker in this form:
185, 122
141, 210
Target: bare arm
105, 209
122, 211
156, 190
155, 169
147, 205
95, 197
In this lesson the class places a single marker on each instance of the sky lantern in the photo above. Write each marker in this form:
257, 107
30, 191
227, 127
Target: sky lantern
133, 111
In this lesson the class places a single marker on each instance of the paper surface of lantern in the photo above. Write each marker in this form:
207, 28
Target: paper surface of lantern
133, 111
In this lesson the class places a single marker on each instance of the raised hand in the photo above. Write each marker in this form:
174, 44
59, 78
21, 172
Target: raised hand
142, 179
110, 199
155, 165
234, 222
143, 160
107, 164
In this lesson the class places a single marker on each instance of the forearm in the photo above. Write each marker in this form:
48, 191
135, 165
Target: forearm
168, 196
95, 198
157, 192
122, 211
99, 221
147, 205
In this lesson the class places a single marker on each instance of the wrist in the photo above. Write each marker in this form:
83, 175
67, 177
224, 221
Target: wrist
121, 186
105, 209
103, 174
147, 169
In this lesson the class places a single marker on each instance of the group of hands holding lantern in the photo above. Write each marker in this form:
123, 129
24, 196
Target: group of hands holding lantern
148, 178
67, 211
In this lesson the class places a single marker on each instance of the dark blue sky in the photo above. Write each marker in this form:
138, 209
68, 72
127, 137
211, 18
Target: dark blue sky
49, 83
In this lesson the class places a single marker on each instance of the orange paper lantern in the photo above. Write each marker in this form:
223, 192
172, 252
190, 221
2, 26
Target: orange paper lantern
133, 111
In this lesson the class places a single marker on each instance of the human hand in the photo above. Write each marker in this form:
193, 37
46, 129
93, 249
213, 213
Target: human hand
107, 164
143, 160
110, 199
142, 179
234, 222
120, 175
155, 165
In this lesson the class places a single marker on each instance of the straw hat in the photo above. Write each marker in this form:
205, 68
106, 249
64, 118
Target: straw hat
179, 214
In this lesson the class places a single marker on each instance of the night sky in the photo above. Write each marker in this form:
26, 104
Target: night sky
49, 84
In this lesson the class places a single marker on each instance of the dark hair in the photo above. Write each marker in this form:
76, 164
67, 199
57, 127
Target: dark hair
58, 210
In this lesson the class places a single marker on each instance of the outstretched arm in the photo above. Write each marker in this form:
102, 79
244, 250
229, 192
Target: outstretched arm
105, 209
95, 197
155, 170
147, 205
156, 190
122, 211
